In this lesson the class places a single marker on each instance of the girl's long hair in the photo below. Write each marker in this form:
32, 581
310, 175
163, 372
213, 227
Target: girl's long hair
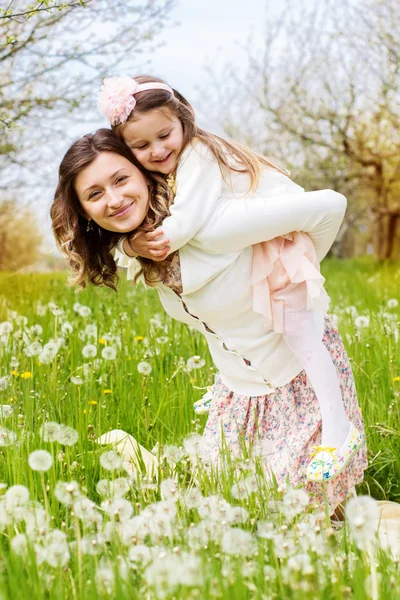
231, 156
89, 252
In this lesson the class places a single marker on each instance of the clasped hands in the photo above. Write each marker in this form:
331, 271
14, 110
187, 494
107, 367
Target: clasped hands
147, 244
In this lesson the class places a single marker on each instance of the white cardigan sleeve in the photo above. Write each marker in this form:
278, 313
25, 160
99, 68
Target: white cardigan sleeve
237, 224
199, 186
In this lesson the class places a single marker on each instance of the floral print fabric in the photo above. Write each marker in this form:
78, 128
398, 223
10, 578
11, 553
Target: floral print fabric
283, 426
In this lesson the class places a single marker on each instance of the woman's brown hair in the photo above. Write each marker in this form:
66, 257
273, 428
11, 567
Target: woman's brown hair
89, 252
230, 155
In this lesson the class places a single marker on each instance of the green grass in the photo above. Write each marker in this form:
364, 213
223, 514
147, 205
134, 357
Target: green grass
159, 408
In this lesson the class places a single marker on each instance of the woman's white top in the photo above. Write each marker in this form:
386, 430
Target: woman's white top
214, 225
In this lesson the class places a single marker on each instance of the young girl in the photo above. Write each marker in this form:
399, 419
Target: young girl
158, 125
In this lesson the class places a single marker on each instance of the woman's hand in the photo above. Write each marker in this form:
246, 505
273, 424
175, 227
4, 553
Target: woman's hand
145, 244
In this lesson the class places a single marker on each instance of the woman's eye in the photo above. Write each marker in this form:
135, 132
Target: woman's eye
122, 178
94, 194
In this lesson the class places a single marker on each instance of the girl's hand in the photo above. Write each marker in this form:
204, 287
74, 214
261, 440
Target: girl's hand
145, 244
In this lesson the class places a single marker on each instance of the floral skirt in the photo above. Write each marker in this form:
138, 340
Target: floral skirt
283, 426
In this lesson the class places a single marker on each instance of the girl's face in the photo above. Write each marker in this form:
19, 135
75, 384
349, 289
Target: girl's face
156, 139
113, 192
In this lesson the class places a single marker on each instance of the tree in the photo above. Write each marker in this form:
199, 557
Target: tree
323, 97
51, 62
20, 239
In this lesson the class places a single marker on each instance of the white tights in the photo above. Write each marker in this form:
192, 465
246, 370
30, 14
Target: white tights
303, 339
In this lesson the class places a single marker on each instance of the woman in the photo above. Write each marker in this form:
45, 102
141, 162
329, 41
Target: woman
261, 392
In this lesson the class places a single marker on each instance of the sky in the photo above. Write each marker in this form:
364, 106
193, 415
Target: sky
202, 34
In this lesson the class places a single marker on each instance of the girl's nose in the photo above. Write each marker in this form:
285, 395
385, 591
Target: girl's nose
157, 150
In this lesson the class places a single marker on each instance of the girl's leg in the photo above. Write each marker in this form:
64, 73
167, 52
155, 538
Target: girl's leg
301, 336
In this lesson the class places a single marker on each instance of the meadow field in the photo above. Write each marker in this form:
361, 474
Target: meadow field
75, 525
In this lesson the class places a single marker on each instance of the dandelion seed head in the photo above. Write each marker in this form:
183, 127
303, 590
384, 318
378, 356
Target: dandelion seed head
4, 383
33, 349
40, 460
7, 437
67, 436
362, 515
84, 311
144, 368
6, 411
195, 362
236, 541
50, 431
110, 460
89, 351
362, 322
67, 492
109, 353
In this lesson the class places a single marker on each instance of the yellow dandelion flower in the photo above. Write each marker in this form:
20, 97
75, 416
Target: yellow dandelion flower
107, 391
92, 402
26, 375
15, 373
102, 341
138, 338
84, 411
395, 379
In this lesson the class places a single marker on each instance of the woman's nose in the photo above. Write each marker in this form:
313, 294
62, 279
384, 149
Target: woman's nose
114, 198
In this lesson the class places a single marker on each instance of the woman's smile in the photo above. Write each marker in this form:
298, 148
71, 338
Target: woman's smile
123, 211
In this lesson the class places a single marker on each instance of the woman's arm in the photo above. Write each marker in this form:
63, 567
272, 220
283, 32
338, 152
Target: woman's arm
237, 224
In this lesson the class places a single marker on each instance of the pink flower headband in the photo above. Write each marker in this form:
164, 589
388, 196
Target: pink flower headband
116, 100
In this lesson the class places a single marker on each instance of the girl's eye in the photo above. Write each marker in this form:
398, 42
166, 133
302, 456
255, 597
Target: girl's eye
93, 194
165, 135
140, 147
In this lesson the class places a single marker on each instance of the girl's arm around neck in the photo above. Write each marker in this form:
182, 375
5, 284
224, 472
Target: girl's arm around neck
237, 224
199, 186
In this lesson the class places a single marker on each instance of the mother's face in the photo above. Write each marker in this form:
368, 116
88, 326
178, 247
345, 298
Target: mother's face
113, 192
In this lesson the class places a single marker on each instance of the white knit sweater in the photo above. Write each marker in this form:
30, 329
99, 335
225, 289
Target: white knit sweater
213, 225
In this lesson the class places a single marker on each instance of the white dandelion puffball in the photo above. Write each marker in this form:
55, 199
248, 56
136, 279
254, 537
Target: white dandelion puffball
144, 368
237, 541
40, 460
6, 327
33, 349
6, 410
7, 437
67, 436
67, 492
4, 383
195, 362
84, 311
16, 496
361, 322
110, 460
76, 380
89, 351
66, 328
109, 353
50, 431
362, 514
392, 303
